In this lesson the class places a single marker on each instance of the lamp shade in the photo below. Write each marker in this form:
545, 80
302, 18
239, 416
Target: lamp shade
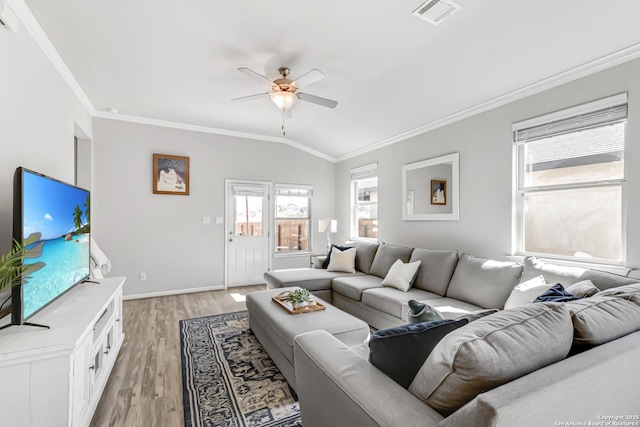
328, 225
283, 99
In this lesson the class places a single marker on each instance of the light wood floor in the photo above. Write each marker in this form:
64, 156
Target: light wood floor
145, 386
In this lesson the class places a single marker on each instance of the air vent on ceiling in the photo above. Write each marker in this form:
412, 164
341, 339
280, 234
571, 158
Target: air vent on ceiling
436, 11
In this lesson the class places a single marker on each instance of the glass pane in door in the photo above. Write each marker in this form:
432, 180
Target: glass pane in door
248, 216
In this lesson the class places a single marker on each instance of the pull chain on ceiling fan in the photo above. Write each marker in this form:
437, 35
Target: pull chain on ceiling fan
284, 91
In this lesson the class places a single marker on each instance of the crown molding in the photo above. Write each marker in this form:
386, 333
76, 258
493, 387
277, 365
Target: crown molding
604, 63
30, 22
210, 130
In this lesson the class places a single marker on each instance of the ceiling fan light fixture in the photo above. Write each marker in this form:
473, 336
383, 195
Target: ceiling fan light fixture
283, 99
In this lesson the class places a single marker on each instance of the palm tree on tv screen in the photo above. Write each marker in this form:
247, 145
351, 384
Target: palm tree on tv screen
77, 217
88, 206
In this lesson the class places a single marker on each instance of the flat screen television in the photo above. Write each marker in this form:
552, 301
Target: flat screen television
51, 218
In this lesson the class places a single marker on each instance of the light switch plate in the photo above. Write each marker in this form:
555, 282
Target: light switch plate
206, 220
218, 220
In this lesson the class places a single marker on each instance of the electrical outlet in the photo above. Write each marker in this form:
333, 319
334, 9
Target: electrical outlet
142, 277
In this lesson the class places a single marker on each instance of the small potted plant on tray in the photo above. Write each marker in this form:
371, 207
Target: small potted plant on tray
298, 298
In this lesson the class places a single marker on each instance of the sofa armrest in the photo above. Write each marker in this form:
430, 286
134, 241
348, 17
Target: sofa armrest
583, 388
335, 387
318, 260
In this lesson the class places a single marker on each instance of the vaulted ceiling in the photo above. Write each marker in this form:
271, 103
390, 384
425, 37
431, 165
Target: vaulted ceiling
392, 74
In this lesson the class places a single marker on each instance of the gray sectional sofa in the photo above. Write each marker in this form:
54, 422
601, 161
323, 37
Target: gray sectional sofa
543, 364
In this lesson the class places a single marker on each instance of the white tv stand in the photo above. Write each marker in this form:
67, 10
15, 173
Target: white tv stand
55, 377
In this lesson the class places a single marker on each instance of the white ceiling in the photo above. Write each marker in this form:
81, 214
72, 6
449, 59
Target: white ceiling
391, 72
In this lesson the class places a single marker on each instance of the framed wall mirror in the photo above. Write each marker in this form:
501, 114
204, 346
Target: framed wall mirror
430, 189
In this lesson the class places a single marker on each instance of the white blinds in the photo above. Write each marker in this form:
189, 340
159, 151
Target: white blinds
595, 113
245, 190
293, 190
366, 171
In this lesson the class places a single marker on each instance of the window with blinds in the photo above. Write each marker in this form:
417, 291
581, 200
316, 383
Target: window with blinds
570, 183
364, 202
292, 217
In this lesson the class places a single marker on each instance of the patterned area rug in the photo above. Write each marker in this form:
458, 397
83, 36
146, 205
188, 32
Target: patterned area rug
229, 379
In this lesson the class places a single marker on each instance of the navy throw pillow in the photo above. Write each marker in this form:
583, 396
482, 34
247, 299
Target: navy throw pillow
400, 352
556, 293
325, 264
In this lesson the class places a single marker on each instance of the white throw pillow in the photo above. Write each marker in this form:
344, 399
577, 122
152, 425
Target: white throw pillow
401, 275
343, 261
526, 292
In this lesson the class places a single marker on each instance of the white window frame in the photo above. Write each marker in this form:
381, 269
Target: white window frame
358, 174
554, 124
296, 190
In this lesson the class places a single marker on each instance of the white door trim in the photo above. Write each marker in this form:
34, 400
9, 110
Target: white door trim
229, 222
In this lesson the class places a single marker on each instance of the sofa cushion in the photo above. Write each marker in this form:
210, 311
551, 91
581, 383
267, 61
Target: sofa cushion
492, 351
622, 291
401, 275
390, 300
313, 279
603, 318
556, 293
366, 251
526, 292
449, 308
436, 269
343, 261
326, 261
583, 289
569, 275
400, 352
386, 256
483, 282
353, 286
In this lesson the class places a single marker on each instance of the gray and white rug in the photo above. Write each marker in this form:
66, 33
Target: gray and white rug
229, 379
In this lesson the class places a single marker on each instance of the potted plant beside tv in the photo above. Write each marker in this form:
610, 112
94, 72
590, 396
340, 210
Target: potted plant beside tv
12, 269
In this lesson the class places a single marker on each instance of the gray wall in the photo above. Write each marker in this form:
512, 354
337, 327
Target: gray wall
485, 147
163, 235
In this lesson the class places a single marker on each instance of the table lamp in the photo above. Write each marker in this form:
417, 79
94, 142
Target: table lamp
328, 226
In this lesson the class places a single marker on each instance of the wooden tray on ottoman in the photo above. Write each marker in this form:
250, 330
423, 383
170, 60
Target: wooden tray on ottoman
279, 299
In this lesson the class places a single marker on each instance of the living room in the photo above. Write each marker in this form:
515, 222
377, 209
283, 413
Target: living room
44, 105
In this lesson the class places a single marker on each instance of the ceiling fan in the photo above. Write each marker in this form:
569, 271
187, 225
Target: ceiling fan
285, 92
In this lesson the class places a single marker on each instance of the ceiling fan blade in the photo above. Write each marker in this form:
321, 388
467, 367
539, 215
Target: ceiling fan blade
308, 78
330, 103
250, 72
247, 98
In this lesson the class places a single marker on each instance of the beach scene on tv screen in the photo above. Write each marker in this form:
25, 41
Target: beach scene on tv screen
57, 217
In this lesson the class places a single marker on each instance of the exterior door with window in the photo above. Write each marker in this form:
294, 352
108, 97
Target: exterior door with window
247, 233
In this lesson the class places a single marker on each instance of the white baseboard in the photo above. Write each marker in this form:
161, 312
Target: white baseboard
173, 292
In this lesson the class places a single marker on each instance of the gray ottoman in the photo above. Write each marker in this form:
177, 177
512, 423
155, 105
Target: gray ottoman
275, 328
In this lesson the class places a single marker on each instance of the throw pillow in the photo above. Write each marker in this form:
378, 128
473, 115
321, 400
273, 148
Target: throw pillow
400, 352
583, 289
420, 312
556, 293
325, 264
343, 261
401, 275
492, 351
526, 292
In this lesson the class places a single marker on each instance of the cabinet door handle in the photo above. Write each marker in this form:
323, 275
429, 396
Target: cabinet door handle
118, 319
92, 367
108, 348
